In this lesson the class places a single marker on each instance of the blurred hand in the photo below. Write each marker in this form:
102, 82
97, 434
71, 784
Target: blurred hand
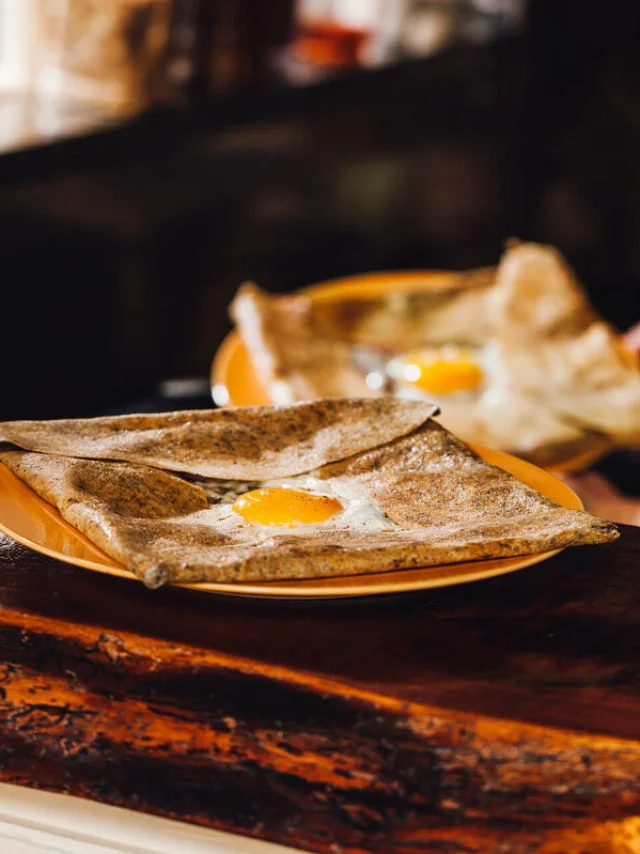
598, 495
632, 338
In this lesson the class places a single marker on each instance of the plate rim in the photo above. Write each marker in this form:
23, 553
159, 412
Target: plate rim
348, 586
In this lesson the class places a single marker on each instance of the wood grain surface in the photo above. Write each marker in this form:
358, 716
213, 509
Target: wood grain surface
497, 716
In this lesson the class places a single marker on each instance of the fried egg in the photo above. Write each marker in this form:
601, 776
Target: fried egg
304, 503
476, 394
445, 375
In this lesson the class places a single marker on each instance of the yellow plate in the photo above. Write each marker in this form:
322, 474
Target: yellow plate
234, 382
30, 520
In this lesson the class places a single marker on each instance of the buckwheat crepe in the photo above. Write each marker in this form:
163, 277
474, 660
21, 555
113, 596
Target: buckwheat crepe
158, 492
303, 349
558, 381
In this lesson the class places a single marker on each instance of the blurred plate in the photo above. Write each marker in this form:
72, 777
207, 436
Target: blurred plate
234, 382
30, 520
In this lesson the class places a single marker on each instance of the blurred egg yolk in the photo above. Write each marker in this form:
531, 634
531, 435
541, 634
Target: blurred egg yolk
440, 375
278, 505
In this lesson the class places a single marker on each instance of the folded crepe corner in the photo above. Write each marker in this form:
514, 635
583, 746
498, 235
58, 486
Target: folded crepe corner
558, 351
293, 359
537, 294
155, 491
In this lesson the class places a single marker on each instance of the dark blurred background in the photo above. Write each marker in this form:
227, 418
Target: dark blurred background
272, 146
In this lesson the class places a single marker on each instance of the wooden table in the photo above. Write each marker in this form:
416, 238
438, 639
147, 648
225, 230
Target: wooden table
497, 716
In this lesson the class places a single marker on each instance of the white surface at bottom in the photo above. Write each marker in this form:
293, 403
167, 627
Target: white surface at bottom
34, 822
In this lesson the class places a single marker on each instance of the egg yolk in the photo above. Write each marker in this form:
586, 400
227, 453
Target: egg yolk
278, 505
442, 375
